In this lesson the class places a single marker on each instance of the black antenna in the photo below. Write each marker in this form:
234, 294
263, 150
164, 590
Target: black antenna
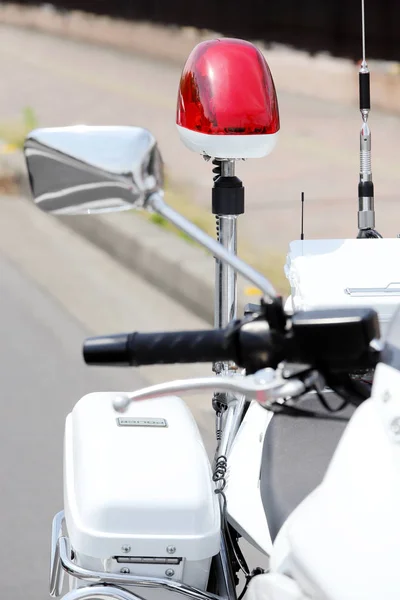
366, 210
302, 216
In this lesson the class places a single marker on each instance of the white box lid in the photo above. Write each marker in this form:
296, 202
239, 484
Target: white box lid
357, 272
144, 486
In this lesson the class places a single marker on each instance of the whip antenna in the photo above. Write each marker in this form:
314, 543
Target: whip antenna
366, 210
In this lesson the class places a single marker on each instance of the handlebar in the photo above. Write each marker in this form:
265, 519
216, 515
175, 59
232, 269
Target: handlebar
332, 341
240, 342
135, 349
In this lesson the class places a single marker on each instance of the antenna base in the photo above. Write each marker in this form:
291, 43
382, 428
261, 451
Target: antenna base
364, 234
366, 218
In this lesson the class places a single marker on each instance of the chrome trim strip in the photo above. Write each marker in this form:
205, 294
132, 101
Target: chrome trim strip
387, 291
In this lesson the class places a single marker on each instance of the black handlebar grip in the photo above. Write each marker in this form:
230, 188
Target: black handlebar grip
107, 350
135, 349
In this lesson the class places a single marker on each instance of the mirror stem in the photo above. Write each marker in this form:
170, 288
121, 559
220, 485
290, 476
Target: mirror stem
157, 203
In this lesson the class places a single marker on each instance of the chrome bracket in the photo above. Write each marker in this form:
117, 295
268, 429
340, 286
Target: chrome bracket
56, 571
100, 592
61, 562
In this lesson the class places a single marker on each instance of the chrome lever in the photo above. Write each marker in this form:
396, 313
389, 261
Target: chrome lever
258, 387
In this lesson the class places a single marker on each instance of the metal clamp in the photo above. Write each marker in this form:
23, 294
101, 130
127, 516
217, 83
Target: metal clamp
61, 561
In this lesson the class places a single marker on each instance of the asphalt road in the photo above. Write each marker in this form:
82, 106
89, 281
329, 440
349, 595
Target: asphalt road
67, 82
42, 376
55, 289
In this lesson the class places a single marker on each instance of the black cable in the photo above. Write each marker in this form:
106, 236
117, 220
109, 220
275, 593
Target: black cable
254, 573
221, 465
219, 476
354, 391
244, 590
295, 411
326, 405
241, 561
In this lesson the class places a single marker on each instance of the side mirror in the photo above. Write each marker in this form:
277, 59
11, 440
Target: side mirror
80, 169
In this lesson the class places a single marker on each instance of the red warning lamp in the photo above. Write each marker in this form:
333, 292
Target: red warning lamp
227, 104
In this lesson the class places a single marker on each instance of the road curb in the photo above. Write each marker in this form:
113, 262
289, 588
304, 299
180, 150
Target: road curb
179, 269
183, 272
297, 72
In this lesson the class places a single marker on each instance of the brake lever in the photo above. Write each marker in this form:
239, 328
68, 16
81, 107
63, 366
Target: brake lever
259, 387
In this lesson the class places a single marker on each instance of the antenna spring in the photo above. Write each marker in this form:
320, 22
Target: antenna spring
217, 168
218, 227
365, 161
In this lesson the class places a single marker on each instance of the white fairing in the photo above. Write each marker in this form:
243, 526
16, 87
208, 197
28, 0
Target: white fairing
228, 146
244, 505
345, 273
273, 586
343, 541
142, 481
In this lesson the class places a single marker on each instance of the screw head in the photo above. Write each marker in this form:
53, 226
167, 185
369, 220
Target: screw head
387, 396
125, 549
170, 572
125, 570
395, 426
171, 549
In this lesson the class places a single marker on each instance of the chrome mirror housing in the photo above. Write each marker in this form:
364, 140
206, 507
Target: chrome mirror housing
85, 169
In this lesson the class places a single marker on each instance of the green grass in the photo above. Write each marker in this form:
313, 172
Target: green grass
13, 133
161, 222
158, 220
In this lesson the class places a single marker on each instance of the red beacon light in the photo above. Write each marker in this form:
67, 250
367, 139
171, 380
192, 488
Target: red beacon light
227, 104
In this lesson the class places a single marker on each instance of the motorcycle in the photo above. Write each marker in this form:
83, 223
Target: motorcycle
172, 522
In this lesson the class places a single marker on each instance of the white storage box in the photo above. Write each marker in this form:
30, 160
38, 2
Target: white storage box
343, 273
138, 489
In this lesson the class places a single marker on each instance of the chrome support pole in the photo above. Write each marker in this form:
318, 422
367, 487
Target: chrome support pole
225, 310
225, 299
157, 203
225, 275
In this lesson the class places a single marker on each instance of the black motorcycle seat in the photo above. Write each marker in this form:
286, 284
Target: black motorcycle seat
296, 453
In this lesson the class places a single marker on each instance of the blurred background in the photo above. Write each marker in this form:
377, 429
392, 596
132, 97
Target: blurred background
330, 26
120, 62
